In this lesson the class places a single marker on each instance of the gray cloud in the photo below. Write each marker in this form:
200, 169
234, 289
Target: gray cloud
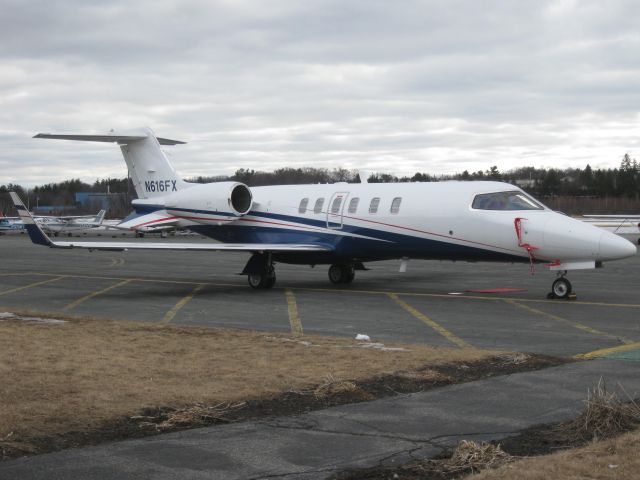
433, 86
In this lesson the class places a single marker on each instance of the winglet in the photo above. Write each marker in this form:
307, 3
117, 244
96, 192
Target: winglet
33, 229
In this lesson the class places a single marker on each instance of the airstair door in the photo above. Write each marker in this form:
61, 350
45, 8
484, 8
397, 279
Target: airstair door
335, 210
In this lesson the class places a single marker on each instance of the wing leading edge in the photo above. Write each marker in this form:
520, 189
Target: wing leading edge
38, 237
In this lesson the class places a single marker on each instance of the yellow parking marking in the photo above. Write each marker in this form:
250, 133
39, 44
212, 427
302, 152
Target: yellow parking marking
73, 305
335, 290
15, 274
606, 351
577, 325
435, 325
294, 318
115, 261
33, 285
464, 297
172, 313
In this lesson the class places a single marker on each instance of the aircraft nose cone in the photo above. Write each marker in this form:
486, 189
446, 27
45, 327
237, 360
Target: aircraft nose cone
613, 247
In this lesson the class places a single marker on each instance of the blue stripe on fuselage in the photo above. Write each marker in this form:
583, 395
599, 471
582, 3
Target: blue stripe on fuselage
381, 244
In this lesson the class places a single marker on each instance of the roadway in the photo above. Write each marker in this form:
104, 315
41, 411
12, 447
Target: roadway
433, 303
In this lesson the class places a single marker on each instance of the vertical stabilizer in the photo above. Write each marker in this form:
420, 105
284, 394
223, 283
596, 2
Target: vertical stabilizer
150, 170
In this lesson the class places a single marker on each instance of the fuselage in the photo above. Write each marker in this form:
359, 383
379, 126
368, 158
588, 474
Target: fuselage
364, 222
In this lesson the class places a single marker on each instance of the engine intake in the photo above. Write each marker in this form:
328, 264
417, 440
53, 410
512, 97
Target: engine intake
231, 198
241, 199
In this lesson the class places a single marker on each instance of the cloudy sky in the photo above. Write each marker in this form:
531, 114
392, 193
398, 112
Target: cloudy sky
402, 86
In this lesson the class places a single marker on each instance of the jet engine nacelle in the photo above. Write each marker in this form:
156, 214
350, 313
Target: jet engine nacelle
231, 198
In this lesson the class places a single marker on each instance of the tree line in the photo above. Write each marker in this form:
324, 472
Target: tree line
597, 190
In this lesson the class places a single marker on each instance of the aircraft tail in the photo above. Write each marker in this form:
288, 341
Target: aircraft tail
150, 170
33, 229
99, 218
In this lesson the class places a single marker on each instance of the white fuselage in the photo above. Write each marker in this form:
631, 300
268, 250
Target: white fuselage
429, 220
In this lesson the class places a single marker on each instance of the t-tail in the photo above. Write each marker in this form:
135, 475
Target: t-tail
150, 170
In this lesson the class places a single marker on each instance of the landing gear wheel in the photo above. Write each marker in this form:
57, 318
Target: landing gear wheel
339, 273
262, 281
561, 288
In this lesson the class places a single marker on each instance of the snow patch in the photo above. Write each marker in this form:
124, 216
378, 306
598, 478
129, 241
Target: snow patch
13, 316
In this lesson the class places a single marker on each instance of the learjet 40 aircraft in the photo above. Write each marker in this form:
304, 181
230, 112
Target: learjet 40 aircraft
344, 225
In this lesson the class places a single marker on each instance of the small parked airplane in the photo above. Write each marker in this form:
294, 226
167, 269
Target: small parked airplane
62, 225
344, 225
11, 224
627, 226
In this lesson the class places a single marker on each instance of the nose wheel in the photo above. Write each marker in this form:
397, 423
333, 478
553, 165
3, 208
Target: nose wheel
561, 288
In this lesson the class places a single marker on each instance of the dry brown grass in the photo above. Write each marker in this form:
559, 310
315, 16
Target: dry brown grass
616, 458
469, 456
605, 415
77, 375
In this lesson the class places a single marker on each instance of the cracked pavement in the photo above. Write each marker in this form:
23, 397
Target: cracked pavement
388, 431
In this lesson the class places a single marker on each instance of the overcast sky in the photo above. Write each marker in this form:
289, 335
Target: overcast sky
393, 86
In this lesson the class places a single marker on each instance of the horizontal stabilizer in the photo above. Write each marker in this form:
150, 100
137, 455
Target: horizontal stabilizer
111, 138
150, 220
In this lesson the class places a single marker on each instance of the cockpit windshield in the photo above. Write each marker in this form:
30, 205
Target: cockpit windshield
514, 200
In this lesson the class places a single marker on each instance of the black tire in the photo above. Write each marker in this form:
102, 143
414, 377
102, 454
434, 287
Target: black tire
339, 273
561, 288
259, 281
351, 274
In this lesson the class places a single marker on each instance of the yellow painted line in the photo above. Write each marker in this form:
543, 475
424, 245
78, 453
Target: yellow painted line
294, 318
435, 325
73, 305
134, 279
465, 297
577, 325
606, 351
18, 274
172, 313
335, 290
33, 285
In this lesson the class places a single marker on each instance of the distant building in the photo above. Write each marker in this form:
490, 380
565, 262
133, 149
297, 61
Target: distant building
52, 209
525, 182
94, 200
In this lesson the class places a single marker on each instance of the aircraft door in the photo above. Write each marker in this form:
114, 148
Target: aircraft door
335, 209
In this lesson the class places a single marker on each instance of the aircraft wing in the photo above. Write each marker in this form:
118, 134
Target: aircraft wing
38, 236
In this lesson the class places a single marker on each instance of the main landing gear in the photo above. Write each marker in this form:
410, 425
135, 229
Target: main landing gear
260, 272
561, 287
341, 273
261, 281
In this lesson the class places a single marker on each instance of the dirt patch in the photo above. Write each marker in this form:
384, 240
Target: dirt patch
85, 382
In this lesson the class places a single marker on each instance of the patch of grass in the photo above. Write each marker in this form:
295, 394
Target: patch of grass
615, 458
468, 457
605, 415
80, 375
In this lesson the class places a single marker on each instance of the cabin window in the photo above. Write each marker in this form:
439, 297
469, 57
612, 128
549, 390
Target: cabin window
505, 201
318, 206
303, 205
373, 206
335, 206
395, 205
353, 205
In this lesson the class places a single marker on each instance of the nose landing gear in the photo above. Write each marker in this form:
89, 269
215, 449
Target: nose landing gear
561, 288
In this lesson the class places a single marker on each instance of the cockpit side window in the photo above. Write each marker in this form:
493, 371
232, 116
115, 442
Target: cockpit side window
514, 200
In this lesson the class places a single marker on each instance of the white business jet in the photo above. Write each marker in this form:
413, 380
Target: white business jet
344, 225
